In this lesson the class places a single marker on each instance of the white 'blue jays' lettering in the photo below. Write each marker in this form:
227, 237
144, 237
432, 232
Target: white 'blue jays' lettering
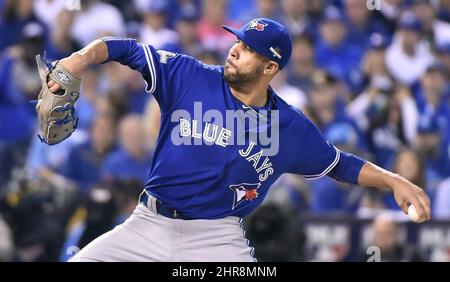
210, 132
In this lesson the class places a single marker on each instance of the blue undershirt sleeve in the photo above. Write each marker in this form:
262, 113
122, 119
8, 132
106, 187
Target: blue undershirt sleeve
347, 169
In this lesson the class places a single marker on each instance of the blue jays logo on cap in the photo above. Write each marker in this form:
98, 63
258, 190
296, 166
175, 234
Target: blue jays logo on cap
255, 24
267, 37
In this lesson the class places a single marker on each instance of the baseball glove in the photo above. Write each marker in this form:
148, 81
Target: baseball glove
56, 111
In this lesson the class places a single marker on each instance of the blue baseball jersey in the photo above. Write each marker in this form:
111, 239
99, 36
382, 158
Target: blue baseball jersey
218, 177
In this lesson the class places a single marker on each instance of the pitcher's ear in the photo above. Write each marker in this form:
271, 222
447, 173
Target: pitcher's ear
271, 67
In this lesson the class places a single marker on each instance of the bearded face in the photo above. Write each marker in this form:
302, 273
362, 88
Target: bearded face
243, 65
235, 76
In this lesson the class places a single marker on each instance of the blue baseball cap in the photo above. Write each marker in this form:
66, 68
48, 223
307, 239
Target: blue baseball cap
158, 6
443, 48
410, 21
436, 67
332, 14
341, 134
188, 16
267, 37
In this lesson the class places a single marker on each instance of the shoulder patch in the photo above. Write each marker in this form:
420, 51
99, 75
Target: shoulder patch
165, 55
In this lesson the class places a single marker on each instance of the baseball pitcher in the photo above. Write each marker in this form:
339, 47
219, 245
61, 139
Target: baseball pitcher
225, 137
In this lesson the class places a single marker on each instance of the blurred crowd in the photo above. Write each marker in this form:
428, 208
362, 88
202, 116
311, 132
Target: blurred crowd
375, 82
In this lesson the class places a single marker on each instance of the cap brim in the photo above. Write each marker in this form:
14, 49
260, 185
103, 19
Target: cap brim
239, 34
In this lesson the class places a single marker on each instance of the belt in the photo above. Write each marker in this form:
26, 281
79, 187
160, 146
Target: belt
157, 206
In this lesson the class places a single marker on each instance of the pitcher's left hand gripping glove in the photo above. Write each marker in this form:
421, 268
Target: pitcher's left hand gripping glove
56, 111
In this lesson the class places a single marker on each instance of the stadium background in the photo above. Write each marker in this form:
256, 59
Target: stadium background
374, 77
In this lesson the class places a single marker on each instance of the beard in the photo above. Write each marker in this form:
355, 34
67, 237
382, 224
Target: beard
239, 78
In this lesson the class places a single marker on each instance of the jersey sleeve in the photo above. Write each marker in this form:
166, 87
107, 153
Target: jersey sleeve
168, 75
315, 157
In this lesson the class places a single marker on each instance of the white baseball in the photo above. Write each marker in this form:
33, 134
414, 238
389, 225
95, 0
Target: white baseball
412, 213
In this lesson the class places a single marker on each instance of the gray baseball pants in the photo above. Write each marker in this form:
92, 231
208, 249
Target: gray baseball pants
148, 236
